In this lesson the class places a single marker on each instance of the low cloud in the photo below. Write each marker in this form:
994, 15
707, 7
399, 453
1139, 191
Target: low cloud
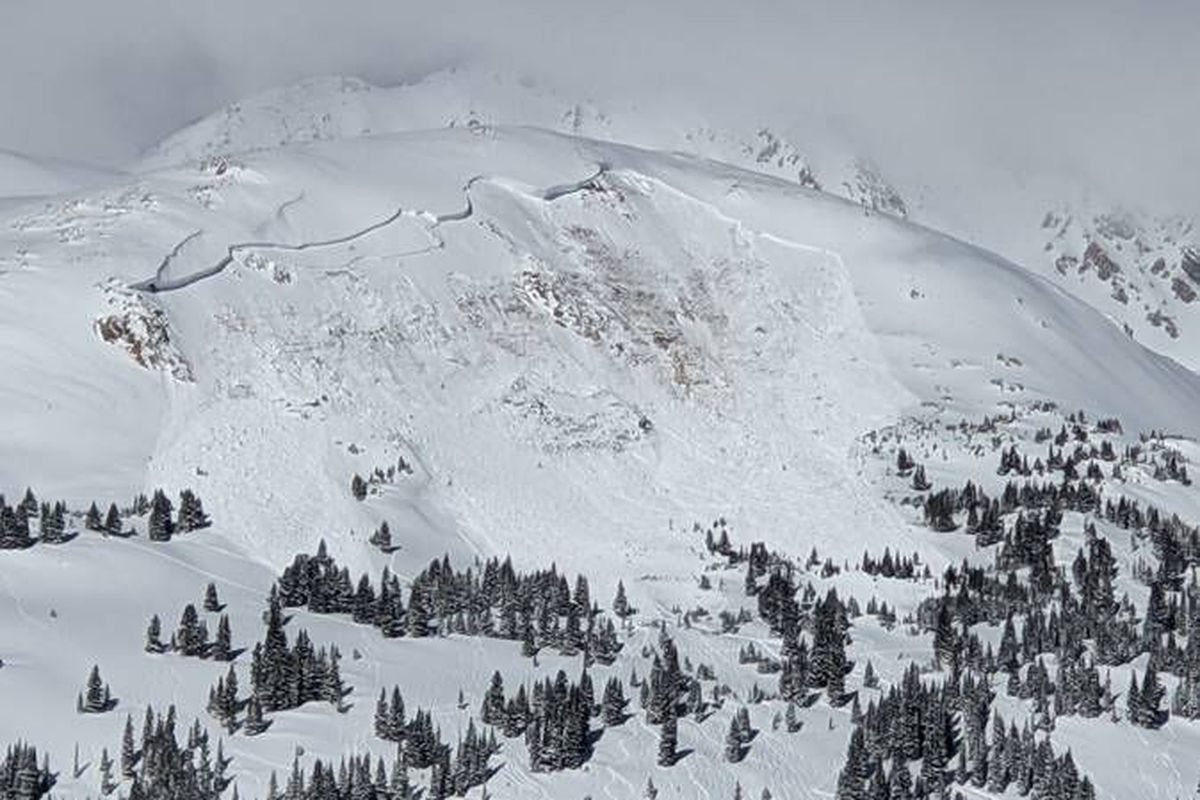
1104, 90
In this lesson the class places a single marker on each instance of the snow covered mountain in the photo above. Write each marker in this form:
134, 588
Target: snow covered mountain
511, 325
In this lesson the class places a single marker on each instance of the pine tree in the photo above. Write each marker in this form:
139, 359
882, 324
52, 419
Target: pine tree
129, 754
255, 724
161, 526
945, 642
96, 697
112, 521
222, 646
613, 704
107, 784
734, 749
191, 638
382, 538
492, 710
1149, 712
620, 604
154, 642
191, 512
791, 719
358, 487
668, 737
212, 602
91, 520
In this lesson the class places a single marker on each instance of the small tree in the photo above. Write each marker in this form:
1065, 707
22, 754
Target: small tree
91, 520
154, 642
95, 698
161, 526
668, 737
191, 512
620, 604
112, 521
734, 751
211, 601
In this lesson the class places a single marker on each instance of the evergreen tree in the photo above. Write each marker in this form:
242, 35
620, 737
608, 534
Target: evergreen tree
222, 646
212, 602
734, 746
112, 521
129, 754
613, 704
91, 520
668, 737
96, 697
154, 642
107, 784
1146, 707
191, 512
161, 526
620, 604
492, 710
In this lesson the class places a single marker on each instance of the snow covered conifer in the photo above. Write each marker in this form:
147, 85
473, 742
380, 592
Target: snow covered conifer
222, 646
91, 520
112, 521
734, 750
668, 737
613, 703
620, 604
211, 601
96, 697
191, 512
154, 642
160, 526
129, 755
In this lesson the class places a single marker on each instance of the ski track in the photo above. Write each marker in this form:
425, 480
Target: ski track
161, 283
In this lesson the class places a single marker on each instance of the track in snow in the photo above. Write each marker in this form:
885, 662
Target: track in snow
161, 283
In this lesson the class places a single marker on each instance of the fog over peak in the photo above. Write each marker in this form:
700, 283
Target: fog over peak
1104, 91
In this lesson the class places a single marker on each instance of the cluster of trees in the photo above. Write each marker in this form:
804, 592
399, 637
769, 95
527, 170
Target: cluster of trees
22, 777
353, 778
163, 524
984, 514
224, 704
382, 538
889, 566
96, 698
359, 487
823, 665
1176, 544
163, 768
454, 772
284, 676
52, 518
944, 726
539, 609
737, 740
1143, 703
191, 638
558, 731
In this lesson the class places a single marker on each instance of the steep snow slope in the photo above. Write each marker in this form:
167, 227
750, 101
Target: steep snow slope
581, 348
1130, 264
748, 322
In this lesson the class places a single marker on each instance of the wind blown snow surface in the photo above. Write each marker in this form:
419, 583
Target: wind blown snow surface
580, 348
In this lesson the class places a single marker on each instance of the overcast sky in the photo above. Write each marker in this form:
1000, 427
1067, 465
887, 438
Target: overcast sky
1102, 88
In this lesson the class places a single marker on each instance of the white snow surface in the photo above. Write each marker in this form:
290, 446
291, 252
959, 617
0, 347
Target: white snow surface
581, 346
